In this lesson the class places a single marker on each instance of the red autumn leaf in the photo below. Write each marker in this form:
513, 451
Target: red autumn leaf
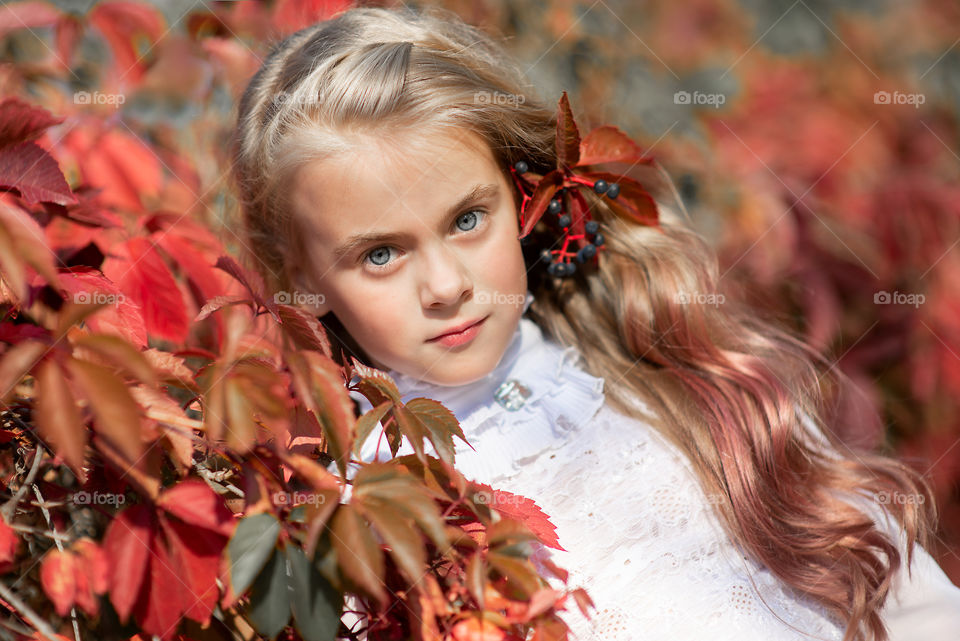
251, 281
634, 202
141, 273
194, 502
119, 315
157, 611
92, 574
538, 203
609, 144
59, 578
126, 170
127, 544
31, 170
131, 29
293, 15
21, 121
26, 15
194, 554
67, 34
568, 136
526, 511
9, 541
58, 418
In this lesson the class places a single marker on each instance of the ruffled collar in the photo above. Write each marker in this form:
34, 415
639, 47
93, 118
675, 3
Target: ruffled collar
531, 370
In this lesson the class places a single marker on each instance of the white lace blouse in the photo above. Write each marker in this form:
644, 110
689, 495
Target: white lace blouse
637, 530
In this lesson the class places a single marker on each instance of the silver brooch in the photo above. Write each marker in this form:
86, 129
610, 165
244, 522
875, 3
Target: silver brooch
512, 394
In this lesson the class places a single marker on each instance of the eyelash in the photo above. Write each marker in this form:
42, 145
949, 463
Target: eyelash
484, 214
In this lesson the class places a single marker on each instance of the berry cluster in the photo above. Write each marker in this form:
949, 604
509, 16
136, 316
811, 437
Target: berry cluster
560, 261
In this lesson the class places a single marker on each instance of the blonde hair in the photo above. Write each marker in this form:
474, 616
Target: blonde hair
728, 387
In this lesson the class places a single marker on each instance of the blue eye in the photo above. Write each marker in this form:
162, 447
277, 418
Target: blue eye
472, 218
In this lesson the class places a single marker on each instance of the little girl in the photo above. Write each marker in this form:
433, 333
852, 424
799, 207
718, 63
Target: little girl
681, 445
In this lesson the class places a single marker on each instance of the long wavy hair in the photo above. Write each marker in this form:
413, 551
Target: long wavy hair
749, 403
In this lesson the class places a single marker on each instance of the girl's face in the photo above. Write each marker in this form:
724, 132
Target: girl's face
407, 245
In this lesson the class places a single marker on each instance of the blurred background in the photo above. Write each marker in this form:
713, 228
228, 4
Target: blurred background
814, 143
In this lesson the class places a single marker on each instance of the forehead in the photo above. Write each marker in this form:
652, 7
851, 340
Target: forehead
389, 186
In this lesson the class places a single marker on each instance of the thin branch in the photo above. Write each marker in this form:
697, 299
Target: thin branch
10, 507
41, 626
53, 528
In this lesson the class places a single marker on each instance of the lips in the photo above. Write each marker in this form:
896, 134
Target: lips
457, 329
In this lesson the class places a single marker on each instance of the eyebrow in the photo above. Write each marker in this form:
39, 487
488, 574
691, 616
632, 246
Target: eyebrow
477, 192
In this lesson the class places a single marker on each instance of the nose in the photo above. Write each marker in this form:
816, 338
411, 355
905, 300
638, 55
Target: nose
446, 280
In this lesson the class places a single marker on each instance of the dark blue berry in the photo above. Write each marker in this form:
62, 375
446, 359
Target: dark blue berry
553, 268
564, 220
598, 240
592, 226
588, 250
546, 256
600, 186
570, 270
554, 207
614, 190
521, 167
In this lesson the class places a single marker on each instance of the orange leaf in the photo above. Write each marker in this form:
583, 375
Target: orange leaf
476, 629
58, 576
117, 414
58, 418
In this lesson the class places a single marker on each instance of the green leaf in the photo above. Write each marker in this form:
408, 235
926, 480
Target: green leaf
252, 543
269, 608
317, 605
